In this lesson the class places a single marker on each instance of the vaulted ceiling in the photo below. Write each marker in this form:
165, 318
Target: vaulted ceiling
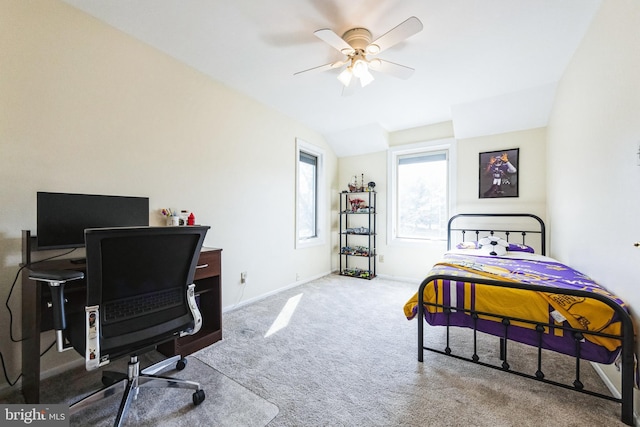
489, 66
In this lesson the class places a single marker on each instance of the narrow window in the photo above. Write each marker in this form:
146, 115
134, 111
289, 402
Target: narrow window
307, 196
310, 200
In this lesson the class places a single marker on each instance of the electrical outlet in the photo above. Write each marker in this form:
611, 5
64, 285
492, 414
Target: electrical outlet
243, 277
381, 258
297, 276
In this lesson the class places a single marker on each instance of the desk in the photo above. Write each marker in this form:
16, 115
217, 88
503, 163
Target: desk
37, 313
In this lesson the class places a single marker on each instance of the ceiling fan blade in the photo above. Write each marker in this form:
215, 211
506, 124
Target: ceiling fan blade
391, 68
394, 36
324, 67
331, 38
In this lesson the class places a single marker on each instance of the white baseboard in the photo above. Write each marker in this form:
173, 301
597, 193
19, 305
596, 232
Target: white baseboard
613, 389
277, 291
400, 278
607, 381
307, 280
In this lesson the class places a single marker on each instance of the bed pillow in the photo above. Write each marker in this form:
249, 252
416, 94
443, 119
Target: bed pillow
494, 246
517, 247
513, 247
468, 245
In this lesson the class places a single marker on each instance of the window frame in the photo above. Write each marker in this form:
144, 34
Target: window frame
321, 201
393, 155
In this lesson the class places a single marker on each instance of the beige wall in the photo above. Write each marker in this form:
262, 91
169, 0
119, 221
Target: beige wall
413, 261
400, 261
85, 108
532, 172
594, 169
594, 138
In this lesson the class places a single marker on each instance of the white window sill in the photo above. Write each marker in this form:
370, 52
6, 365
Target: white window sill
308, 243
423, 243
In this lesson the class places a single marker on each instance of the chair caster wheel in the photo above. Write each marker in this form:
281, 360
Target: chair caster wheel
181, 364
198, 397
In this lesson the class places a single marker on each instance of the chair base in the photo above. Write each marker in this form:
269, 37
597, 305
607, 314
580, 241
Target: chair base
131, 383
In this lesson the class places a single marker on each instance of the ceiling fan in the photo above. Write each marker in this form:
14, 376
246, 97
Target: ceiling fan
357, 45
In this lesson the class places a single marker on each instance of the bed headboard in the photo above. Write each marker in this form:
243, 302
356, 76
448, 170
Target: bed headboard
515, 228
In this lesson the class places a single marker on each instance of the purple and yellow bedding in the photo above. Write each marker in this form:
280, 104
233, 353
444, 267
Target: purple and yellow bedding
545, 308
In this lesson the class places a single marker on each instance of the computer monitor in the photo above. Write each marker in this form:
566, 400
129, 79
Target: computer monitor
63, 217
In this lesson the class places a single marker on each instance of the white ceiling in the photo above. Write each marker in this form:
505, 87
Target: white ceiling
491, 66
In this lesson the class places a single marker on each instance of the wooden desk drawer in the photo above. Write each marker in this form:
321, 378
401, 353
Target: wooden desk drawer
208, 264
208, 294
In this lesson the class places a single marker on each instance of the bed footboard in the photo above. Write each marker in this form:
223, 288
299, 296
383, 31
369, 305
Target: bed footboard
626, 337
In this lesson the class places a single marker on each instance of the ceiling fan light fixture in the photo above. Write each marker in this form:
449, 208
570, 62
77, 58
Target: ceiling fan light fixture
373, 49
375, 64
360, 67
365, 78
345, 76
361, 71
356, 43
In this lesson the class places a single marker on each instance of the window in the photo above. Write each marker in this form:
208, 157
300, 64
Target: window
421, 185
309, 195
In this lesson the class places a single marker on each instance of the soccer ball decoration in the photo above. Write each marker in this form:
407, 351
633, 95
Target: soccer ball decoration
494, 246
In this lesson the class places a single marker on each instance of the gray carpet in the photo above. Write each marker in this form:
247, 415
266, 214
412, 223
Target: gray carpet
227, 403
348, 357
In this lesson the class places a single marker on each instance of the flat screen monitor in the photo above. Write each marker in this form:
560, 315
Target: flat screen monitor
63, 217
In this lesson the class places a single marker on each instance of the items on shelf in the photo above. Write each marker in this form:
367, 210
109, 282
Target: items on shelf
357, 230
365, 210
355, 188
357, 203
355, 250
357, 272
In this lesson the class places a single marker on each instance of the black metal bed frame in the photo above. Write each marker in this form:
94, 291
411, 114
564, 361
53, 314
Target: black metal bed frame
626, 337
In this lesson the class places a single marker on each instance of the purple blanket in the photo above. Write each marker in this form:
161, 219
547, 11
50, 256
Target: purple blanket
545, 308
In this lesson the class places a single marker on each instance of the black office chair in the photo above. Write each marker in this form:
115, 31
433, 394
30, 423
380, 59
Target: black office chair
140, 293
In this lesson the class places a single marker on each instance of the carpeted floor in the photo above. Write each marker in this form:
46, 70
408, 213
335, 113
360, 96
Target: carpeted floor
227, 403
338, 352
348, 357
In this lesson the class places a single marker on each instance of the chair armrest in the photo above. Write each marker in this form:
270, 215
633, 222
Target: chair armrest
59, 276
56, 280
195, 311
